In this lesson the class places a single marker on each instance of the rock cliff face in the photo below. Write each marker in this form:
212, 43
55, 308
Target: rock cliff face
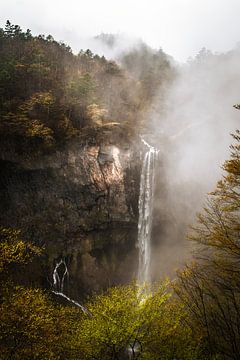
81, 204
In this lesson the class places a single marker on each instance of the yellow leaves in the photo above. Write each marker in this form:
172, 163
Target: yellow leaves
45, 99
22, 123
13, 250
186, 272
37, 129
209, 289
96, 114
29, 325
119, 317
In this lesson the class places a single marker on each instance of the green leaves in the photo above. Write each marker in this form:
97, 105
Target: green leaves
13, 250
123, 316
31, 327
146, 319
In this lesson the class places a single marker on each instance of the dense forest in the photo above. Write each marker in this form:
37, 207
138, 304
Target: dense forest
50, 97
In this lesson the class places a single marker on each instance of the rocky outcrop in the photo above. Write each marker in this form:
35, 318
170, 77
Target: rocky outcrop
81, 204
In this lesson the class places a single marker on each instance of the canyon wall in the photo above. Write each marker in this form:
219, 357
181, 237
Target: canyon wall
81, 204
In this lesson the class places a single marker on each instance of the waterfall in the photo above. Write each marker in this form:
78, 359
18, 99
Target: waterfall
58, 280
58, 284
145, 205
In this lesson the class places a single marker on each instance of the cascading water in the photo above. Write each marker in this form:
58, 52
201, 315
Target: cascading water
58, 280
58, 283
145, 205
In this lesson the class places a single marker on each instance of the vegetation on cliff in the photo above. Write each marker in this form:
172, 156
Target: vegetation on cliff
49, 95
202, 322
31, 326
144, 321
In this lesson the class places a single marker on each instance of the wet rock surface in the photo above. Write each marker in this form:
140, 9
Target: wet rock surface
81, 204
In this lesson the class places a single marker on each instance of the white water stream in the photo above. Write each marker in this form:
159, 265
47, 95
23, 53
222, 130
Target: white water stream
58, 284
146, 197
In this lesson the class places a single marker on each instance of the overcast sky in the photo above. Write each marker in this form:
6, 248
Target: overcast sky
180, 27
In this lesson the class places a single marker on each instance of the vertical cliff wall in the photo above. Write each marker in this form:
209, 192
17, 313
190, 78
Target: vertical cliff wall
81, 204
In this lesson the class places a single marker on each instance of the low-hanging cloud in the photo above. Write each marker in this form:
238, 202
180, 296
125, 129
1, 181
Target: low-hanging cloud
194, 137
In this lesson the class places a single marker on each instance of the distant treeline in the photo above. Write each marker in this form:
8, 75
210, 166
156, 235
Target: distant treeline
48, 94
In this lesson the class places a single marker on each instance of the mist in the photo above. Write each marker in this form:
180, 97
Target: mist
193, 128
112, 46
185, 111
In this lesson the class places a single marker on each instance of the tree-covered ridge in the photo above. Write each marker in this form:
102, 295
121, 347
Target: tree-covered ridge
48, 94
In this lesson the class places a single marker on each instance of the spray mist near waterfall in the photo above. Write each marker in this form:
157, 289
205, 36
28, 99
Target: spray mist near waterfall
192, 127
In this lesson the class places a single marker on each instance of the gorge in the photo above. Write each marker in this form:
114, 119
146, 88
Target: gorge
87, 197
109, 163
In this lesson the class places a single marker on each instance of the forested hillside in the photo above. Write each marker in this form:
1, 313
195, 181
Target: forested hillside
86, 201
49, 95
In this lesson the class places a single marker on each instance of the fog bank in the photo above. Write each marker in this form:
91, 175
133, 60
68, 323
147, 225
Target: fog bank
193, 130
